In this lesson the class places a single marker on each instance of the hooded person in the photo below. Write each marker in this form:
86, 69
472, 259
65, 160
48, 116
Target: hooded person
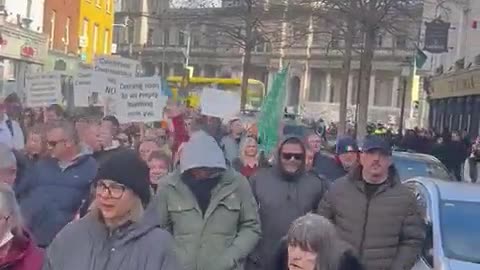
117, 233
209, 208
285, 188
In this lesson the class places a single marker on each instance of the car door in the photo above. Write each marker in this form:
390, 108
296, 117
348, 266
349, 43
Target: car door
425, 261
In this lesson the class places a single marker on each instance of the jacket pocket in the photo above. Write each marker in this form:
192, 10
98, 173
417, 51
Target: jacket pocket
225, 218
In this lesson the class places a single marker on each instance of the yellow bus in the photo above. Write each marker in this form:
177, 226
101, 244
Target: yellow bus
255, 89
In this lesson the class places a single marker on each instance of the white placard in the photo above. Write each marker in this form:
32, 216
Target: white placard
43, 89
88, 88
139, 100
219, 103
116, 66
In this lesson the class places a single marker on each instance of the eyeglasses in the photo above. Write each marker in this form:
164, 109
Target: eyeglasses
53, 144
115, 191
296, 156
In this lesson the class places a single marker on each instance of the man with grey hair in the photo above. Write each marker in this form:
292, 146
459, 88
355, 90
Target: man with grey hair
57, 186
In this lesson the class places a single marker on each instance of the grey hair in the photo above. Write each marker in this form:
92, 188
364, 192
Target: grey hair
10, 208
67, 127
317, 234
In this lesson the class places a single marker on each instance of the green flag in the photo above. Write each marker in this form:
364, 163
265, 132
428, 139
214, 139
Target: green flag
420, 58
271, 113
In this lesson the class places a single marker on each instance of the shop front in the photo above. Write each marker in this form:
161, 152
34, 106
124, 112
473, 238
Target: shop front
455, 102
22, 51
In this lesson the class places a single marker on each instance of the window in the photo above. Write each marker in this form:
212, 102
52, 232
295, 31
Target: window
66, 34
108, 5
379, 41
181, 38
85, 28
98, 3
166, 37
106, 42
401, 42
95, 38
335, 42
52, 28
150, 37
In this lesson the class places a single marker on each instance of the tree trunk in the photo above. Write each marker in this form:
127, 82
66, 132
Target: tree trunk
245, 75
347, 61
366, 67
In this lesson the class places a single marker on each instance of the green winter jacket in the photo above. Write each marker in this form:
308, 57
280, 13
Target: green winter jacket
224, 236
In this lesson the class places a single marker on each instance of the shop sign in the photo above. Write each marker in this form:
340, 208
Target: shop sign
456, 85
23, 44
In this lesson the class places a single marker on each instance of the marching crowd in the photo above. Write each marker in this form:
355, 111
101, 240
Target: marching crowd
190, 192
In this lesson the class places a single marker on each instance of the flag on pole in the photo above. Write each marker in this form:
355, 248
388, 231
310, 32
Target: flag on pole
271, 113
420, 59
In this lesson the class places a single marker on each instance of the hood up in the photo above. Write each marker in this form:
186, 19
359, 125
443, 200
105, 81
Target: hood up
202, 151
287, 175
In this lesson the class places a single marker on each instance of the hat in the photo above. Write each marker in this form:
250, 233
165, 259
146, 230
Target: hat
126, 168
346, 144
7, 157
374, 142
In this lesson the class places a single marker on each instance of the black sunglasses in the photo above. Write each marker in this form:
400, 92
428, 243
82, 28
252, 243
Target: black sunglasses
296, 156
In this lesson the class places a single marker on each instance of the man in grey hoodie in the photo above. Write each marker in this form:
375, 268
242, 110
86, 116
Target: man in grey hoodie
209, 208
284, 193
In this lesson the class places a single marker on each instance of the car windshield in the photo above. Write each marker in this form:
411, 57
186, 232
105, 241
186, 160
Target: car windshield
409, 168
460, 222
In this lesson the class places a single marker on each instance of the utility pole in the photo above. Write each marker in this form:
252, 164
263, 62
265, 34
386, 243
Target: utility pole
405, 75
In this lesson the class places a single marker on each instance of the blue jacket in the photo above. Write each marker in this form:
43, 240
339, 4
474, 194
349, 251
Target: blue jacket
52, 195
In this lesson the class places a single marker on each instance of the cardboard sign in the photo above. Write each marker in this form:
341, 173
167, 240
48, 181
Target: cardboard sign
43, 89
219, 103
88, 88
139, 100
116, 66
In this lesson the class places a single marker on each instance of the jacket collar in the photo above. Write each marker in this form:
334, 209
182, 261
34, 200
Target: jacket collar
356, 177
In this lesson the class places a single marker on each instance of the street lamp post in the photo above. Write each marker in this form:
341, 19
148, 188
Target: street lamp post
405, 75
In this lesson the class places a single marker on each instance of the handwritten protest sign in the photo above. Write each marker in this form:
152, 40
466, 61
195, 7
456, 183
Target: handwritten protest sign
116, 66
89, 87
219, 103
139, 100
43, 89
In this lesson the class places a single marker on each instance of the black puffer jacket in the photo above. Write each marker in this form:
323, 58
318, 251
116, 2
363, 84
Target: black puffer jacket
386, 230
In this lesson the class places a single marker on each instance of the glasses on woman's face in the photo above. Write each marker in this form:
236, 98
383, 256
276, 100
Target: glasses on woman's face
114, 190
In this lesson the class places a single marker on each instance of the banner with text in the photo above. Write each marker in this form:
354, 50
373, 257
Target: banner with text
43, 89
117, 66
139, 100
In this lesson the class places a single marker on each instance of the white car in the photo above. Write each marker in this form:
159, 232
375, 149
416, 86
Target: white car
451, 211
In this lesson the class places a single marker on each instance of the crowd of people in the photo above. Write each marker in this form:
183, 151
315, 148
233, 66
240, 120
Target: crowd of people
192, 192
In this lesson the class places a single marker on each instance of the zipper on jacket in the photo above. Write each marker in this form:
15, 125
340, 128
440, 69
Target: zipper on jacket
364, 229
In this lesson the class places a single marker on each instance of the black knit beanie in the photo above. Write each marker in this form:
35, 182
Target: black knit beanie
127, 168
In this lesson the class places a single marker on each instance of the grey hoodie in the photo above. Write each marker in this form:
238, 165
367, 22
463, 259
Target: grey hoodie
86, 244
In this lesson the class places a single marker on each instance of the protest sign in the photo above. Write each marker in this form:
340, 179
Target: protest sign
219, 103
116, 66
88, 88
43, 89
139, 100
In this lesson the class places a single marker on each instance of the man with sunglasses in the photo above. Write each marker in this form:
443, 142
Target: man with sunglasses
57, 186
374, 212
284, 193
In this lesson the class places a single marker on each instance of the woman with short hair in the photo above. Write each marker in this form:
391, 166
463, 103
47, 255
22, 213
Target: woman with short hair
248, 161
312, 243
17, 249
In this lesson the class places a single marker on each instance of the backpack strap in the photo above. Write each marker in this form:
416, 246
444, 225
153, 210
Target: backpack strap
10, 126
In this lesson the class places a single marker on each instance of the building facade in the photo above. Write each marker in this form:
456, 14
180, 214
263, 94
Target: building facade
95, 28
61, 22
454, 88
314, 81
23, 48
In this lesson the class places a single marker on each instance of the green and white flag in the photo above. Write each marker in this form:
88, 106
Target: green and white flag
271, 113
